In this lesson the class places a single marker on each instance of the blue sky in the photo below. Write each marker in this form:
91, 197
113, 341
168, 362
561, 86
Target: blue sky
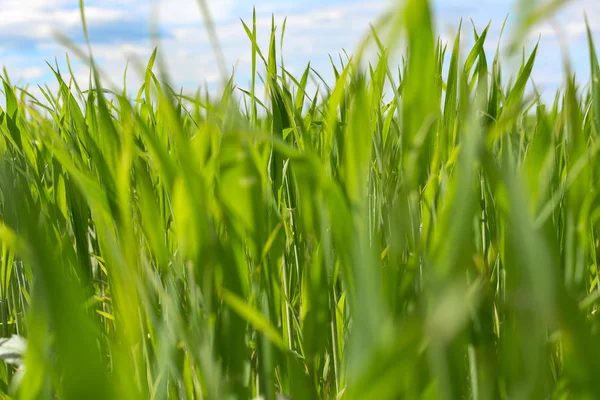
120, 29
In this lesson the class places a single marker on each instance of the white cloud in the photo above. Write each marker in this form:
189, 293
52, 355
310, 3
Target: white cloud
570, 25
40, 22
31, 4
31, 73
188, 11
175, 12
24, 74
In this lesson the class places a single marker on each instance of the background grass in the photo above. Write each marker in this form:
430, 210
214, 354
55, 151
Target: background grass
425, 232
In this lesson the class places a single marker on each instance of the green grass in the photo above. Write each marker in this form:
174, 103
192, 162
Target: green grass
399, 235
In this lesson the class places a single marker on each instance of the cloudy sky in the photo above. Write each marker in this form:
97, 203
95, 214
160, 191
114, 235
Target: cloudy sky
120, 30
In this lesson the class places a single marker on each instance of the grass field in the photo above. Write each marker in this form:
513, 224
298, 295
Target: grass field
429, 231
